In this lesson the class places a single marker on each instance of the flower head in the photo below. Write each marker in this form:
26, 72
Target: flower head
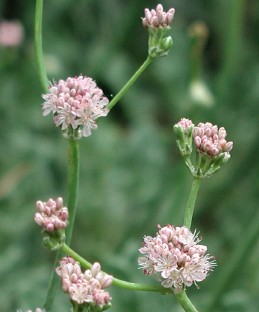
158, 18
76, 103
85, 288
51, 215
212, 149
211, 140
175, 258
158, 23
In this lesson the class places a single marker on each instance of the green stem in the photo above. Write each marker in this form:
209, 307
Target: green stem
53, 285
73, 178
191, 202
117, 282
38, 45
234, 264
185, 302
132, 80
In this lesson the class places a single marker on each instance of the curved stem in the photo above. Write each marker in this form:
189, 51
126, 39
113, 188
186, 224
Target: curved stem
117, 282
132, 80
73, 178
191, 202
38, 45
185, 302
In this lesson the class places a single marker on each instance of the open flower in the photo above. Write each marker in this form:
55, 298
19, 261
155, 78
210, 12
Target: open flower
175, 258
85, 288
76, 103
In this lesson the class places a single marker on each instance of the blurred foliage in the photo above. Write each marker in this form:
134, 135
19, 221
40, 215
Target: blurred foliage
132, 177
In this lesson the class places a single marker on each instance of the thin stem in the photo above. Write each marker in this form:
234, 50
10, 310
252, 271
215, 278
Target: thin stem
191, 202
117, 282
38, 45
53, 285
232, 267
73, 178
132, 80
185, 302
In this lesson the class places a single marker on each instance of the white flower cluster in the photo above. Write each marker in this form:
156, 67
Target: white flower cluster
175, 258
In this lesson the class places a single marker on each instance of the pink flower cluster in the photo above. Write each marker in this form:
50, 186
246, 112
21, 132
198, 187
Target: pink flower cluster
51, 215
174, 257
76, 103
158, 18
211, 140
87, 287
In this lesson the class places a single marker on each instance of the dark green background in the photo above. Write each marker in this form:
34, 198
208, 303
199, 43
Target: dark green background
132, 177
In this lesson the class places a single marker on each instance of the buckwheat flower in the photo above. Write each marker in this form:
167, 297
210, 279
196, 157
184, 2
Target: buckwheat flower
211, 140
158, 18
175, 257
86, 288
76, 103
158, 23
51, 215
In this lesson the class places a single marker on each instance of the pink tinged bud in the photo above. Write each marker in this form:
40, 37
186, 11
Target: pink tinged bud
95, 269
228, 147
106, 280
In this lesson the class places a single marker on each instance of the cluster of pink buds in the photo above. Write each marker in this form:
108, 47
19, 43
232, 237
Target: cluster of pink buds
158, 18
175, 258
85, 288
76, 103
211, 140
51, 215
158, 23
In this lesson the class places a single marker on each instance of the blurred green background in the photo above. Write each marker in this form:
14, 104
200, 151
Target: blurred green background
132, 177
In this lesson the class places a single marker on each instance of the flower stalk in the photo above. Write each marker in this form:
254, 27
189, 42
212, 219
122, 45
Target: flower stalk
116, 282
132, 80
191, 202
40, 64
73, 178
185, 302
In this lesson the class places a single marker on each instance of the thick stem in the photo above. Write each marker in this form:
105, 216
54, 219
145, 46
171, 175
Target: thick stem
191, 202
132, 80
185, 302
38, 45
73, 178
117, 282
